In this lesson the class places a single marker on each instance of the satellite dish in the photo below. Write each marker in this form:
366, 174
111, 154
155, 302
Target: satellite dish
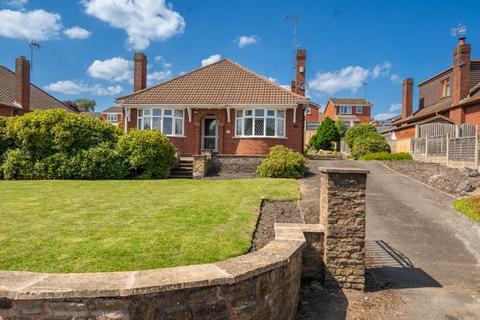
303, 85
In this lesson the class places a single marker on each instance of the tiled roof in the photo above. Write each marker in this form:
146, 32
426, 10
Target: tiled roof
39, 99
443, 105
350, 101
221, 83
114, 109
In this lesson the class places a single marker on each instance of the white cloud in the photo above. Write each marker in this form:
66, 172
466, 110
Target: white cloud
71, 87
30, 25
212, 59
158, 76
393, 111
114, 69
16, 3
163, 62
395, 78
244, 41
77, 33
381, 69
143, 20
349, 78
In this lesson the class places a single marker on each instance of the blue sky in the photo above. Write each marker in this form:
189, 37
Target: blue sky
87, 45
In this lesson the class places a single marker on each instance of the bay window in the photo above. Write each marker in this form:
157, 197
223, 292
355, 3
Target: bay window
260, 123
167, 121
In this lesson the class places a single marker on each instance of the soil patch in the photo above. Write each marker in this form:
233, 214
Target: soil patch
449, 180
271, 212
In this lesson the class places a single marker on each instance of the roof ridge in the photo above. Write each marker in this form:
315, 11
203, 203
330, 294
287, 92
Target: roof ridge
170, 80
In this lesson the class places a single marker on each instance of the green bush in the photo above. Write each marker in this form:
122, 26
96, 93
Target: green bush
326, 134
371, 142
5, 142
353, 133
18, 165
44, 133
340, 128
387, 156
282, 162
148, 154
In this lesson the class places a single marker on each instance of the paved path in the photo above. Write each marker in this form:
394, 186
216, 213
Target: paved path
421, 247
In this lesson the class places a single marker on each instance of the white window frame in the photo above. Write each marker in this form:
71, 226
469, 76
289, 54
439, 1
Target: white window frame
115, 119
446, 88
142, 118
347, 109
358, 110
279, 121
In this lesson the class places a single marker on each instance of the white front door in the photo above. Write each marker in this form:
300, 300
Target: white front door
210, 134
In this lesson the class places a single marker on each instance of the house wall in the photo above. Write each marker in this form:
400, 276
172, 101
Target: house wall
330, 110
472, 114
6, 111
431, 91
119, 122
190, 144
405, 133
365, 116
314, 116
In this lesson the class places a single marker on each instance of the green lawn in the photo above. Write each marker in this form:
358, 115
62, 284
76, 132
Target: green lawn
469, 207
91, 226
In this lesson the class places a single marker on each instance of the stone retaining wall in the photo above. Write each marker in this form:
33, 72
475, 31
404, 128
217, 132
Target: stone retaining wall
259, 285
226, 164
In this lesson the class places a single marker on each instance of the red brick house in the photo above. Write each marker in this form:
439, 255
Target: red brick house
18, 95
222, 106
113, 115
451, 96
350, 110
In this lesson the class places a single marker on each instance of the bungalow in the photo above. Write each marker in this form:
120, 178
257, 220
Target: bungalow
222, 106
451, 96
18, 95
350, 110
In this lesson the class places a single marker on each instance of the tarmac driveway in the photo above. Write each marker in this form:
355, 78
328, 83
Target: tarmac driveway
417, 245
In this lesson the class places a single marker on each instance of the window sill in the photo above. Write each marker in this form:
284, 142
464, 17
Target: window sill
258, 137
172, 136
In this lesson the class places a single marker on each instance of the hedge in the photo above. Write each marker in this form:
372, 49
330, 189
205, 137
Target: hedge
282, 162
371, 142
353, 133
387, 156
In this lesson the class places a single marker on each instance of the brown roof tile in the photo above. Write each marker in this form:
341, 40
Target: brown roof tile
351, 101
114, 109
221, 83
39, 99
443, 105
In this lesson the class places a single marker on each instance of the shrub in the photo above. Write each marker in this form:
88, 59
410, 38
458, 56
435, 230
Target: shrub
18, 165
387, 156
5, 142
282, 162
340, 128
43, 133
148, 154
357, 131
326, 134
371, 142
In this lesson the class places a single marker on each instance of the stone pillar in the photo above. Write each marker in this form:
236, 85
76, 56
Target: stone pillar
342, 214
199, 166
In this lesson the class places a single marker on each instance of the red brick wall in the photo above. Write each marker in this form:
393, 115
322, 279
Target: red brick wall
365, 116
330, 110
6, 111
228, 143
314, 116
119, 122
472, 114
405, 133
457, 115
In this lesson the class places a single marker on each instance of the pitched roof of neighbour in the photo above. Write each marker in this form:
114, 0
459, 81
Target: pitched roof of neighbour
114, 109
350, 101
442, 106
419, 122
39, 99
222, 83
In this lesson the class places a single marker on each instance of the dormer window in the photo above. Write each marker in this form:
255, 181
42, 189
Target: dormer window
445, 88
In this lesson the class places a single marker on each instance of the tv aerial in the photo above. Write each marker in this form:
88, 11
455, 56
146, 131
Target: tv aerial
459, 31
33, 44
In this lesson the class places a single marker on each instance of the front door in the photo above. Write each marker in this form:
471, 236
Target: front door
210, 134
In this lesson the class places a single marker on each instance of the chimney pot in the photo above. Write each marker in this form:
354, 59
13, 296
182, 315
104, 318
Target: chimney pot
140, 71
22, 82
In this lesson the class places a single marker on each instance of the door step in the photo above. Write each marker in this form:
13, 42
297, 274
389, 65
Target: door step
183, 170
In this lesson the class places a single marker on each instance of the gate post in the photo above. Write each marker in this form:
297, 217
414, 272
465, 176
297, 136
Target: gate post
342, 214
447, 147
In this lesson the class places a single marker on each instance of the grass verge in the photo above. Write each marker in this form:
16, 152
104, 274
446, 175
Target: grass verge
469, 207
92, 226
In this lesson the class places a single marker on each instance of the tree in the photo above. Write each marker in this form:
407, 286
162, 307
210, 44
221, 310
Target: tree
85, 105
340, 127
326, 134
357, 131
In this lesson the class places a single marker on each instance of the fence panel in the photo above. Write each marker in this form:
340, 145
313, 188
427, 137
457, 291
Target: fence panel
436, 130
462, 149
418, 146
403, 145
437, 146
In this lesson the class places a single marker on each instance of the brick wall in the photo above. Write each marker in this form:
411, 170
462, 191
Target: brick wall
314, 115
472, 114
119, 122
6, 111
405, 133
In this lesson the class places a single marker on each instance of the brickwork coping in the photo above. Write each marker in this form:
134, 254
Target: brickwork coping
343, 213
289, 241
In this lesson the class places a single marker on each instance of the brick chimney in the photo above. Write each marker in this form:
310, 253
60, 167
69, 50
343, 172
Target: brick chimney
461, 71
22, 83
139, 71
300, 63
407, 98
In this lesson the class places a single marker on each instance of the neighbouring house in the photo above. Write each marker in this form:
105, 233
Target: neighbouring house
112, 115
18, 95
386, 125
223, 107
451, 96
350, 110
